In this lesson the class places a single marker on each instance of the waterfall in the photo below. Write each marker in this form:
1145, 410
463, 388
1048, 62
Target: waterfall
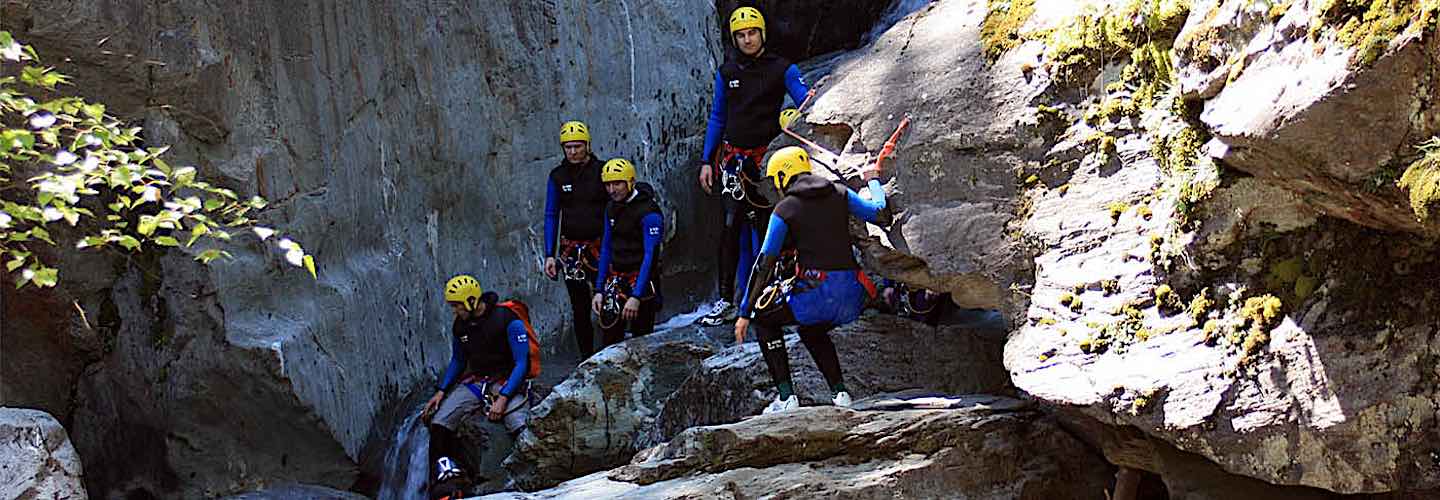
407, 462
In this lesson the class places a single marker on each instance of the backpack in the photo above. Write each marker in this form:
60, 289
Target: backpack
523, 312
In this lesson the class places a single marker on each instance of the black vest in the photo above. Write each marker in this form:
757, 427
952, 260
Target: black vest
627, 237
486, 342
817, 215
754, 95
581, 198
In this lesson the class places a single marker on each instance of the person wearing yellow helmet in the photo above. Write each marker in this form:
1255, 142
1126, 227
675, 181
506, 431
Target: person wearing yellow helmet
829, 288
490, 359
750, 90
629, 255
574, 205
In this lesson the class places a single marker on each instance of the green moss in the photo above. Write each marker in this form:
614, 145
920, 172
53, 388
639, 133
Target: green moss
1260, 314
1047, 321
1000, 31
1117, 208
1422, 179
1066, 299
1370, 25
1177, 152
1167, 299
1200, 305
1144, 211
1284, 273
1110, 287
1305, 286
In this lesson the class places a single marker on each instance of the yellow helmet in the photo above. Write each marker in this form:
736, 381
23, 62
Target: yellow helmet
746, 18
618, 169
787, 116
574, 131
465, 290
786, 164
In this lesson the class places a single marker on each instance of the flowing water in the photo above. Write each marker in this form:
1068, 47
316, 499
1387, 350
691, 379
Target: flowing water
406, 463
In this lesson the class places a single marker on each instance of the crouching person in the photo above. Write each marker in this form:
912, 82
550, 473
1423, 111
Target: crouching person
493, 354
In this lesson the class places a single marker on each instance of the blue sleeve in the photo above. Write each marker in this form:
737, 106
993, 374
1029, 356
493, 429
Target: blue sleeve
520, 351
653, 226
867, 209
715, 128
795, 85
774, 241
457, 364
552, 212
604, 268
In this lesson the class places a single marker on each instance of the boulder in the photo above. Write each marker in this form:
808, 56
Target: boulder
298, 492
36, 457
878, 353
966, 447
591, 421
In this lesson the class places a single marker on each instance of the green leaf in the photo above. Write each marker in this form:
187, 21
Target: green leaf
94, 111
167, 241
310, 266
40, 232
129, 242
208, 255
46, 277
195, 233
14, 264
91, 241
147, 225
213, 204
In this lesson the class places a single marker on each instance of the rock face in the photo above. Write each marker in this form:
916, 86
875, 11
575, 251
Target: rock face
985, 447
1231, 300
878, 354
591, 421
402, 142
36, 457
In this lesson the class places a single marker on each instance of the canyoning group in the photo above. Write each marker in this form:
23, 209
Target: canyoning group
791, 250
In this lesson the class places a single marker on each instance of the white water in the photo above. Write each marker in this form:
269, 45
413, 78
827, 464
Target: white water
407, 462
894, 14
683, 320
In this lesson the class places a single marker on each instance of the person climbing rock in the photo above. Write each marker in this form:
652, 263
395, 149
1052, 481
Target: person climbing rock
627, 291
490, 363
750, 89
574, 201
827, 288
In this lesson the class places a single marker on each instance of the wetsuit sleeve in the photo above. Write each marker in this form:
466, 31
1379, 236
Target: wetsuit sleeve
552, 213
520, 351
653, 226
457, 365
795, 85
865, 209
604, 267
774, 240
715, 128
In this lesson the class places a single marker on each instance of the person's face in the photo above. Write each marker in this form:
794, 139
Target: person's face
459, 310
576, 151
749, 41
619, 190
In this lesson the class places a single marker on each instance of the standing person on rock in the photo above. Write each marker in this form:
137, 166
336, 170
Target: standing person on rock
574, 201
750, 89
627, 290
490, 361
828, 288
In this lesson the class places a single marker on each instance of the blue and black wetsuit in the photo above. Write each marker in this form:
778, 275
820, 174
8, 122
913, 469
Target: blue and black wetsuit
631, 247
744, 118
492, 345
830, 290
574, 212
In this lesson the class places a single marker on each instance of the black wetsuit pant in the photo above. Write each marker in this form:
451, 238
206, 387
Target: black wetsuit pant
580, 295
738, 217
815, 337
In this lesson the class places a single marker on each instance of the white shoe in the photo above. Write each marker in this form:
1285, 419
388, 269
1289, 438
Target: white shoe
446, 469
842, 399
780, 405
720, 312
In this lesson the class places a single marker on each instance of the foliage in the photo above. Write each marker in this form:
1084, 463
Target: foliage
86, 169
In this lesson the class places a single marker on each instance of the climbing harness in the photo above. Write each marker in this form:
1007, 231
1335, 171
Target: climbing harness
912, 302
734, 181
578, 258
613, 296
784, 280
